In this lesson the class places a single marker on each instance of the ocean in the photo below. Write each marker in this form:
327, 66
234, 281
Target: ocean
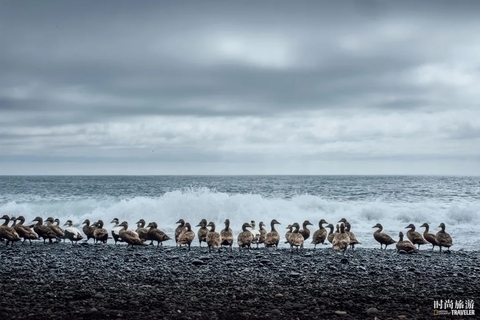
393, 201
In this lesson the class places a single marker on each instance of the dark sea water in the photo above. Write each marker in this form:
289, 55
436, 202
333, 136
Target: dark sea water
393, 201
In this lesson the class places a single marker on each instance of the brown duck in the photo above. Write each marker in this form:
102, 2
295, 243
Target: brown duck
443, 238
100, 234
72, 233
263, 233
353, 239
405, 245
331, 234
430, 237
288, 233
202, 232
320, 235
8, 233
341, 240
141, 230
187, 236
24, 232
245, 238
44, 231
382, 238
88, 229
179, 229
227, 235
414, 236
130, 237
272, 238
55, 227
296, 239
155, 234
213, 238
305, 232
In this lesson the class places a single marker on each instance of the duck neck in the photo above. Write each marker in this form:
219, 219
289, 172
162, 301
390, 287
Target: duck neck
305, 227
5, 223
272, 225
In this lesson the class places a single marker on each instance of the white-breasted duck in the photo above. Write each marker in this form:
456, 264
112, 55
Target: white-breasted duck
72, 233
381, 237
116, 230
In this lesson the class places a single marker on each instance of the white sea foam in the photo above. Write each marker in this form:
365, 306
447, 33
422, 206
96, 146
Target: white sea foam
192, 205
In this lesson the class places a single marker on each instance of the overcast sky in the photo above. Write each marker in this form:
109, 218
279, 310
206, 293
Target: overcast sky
239, 87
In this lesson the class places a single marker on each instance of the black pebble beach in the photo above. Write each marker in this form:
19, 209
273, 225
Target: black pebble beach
61, 281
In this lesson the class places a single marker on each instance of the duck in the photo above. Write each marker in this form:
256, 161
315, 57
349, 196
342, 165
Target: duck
414, 236
8, 233
245, 238
57, 224
130, 237
100, 233
381, 237
43, 231
443, 239
341, 240
353, 239
116, 230
227, 235
305, 232
263, 233
320, 235
405, 245
187, 236
331, 234
141, 230
213, 238
55, 227
179, 229
155, 234
296, 239
430, 237
272, 238
88, 229
72, 233
202, 232
24, 232
255, 232
288, 233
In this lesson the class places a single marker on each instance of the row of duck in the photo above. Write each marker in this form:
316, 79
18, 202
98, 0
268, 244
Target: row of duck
340, 239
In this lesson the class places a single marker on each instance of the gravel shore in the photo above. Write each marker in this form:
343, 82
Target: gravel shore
61, 281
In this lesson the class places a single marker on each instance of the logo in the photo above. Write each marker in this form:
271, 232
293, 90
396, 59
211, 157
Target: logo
464, 307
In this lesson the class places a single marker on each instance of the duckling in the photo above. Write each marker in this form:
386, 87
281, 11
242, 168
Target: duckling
382, 238
341, 240
71, 232
263, 233
100, 233
353, 239
213, 238
443, 238
187, 236
430, 237
55, 228
179, 229
130, 237
141, 230
272, 238
320, 235
305, 232
88, 229
296, 239
288, 233
155, 234
227, 235
255, 232
414, 236
8, 233
245, 238
44, 231
116, 231
202, 232
24, 232
331, 234
406, 245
